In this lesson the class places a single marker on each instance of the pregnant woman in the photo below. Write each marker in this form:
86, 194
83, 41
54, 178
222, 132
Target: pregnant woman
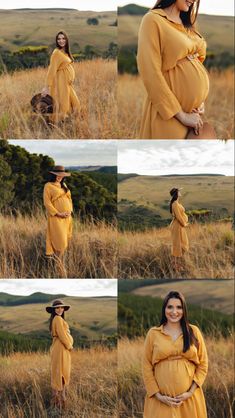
175, 365
170, 57
58, 203
60, 78
178, 226
60, 352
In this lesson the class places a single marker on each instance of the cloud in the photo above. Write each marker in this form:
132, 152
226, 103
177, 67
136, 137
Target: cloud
74, 152
176, 157
69, 287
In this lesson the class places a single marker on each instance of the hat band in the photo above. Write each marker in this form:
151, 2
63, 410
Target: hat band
59, 171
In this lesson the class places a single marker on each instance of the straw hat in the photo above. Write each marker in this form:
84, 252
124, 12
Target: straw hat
42, 103
57, 304
59, 170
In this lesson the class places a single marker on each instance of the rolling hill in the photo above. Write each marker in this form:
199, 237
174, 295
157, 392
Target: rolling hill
38, 27
212, 192
90, 317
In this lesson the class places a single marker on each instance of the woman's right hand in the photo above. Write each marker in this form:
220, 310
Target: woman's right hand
167, 400
191, 120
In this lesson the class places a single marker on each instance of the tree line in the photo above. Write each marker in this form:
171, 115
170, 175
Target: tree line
22, 179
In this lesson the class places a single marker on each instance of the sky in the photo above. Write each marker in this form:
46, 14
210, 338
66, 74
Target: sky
216, 7
71, 152
95, 5
176, 157
225, 7
69, 287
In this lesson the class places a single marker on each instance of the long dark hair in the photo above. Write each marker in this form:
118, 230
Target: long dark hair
53, 314
188, 18
188, 335
175, 196
67, 47
52, 179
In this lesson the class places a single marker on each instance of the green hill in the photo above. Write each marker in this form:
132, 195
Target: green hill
132, 9
24, 321
37, 297
36, 27
144, 200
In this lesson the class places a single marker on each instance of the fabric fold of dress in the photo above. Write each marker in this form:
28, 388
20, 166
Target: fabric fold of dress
60, 78
60, 353
179, 236
59, 230
166, 369
172, 82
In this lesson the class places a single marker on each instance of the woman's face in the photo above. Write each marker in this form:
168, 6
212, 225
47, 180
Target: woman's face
61, 40
59, 310
174, 310
59, 178
184, 5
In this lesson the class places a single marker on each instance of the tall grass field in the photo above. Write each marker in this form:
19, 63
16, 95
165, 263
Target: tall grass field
92, 252
26, 392
95, 85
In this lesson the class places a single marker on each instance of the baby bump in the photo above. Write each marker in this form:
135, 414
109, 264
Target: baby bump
63, 204
70, 73
174, 376
189, 82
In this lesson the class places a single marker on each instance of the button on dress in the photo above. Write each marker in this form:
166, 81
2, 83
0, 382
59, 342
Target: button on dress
172, 81
60, 354
166, 369
179, 236
59, 230
60, 78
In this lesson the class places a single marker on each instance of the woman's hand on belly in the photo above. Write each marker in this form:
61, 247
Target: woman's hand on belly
191, 120
184, 396
63, 214
167, 400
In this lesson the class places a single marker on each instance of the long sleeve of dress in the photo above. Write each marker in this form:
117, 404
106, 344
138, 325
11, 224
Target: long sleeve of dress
47, 202
148, 368
61, 333
178, 215
202, 368
55, 61
149, 61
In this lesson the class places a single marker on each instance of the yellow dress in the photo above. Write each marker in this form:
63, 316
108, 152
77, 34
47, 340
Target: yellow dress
59, 230
60, 78
172, 81
60, 354
166, 369
178, 230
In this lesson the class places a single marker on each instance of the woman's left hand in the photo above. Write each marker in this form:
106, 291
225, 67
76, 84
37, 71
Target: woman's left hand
184, 396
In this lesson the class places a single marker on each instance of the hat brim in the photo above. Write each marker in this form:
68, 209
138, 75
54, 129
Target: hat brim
63, 174
50, 309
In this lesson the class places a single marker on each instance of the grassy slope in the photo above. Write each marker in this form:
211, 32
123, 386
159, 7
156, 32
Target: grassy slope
91, 316
198, 192
208, 294
38, 27
218, 31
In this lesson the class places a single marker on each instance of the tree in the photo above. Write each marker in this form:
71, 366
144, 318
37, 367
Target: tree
6, 184
92, 21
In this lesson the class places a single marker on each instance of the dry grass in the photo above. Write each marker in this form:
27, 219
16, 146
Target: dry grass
25, 385
92, 252
219, 105
218, 387
95, 85
148, 254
